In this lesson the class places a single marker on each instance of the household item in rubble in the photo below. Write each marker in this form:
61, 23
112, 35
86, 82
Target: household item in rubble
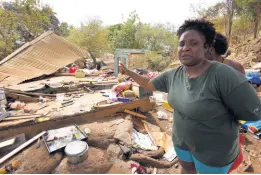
77, 151
3, 101
253, 78
79, 73
141, 92
124, 100
122, 87
73, 69
167, 106
59, 138
128, 94
251, 126
10, 167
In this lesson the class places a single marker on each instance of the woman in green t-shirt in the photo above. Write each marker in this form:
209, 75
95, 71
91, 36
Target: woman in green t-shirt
208, 99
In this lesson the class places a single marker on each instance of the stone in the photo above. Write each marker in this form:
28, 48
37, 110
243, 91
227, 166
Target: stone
114, 152
124, 132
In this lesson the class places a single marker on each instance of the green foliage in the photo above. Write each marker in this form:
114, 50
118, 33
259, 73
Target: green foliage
21, 21
92, 37
124, 34
158, 62
8, 34
134, 34
63, 29
159, 37
237, 19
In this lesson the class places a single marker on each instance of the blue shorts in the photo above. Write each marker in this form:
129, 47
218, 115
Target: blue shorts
201, 168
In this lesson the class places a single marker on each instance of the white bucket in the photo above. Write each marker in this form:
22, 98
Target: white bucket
3, 101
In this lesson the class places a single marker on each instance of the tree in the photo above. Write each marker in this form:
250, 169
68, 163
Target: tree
8, 35
63, 29
221, 14
230, 13
92, 37
124, 34
158, 37
252, 9
22, 21
134, 34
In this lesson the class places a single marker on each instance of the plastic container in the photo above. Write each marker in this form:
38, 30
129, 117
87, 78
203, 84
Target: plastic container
77, 151
80, 73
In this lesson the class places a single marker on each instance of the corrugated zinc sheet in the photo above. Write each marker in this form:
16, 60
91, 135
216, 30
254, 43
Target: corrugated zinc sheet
42, 56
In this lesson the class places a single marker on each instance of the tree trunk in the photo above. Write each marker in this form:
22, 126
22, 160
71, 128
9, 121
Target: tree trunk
256, 23
230, 13
225, 26
94, 59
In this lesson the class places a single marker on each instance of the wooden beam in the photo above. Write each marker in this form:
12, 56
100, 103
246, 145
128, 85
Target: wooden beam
32, 128
21, 97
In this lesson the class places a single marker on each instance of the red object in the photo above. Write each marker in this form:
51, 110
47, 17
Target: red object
240, 157
73, 69
139, 169
122, 87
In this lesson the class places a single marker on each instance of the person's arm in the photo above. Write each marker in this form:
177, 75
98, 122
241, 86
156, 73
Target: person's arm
141, 80
159, 83
238, 95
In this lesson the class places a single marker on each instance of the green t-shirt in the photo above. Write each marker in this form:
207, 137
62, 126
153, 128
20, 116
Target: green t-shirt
206, 111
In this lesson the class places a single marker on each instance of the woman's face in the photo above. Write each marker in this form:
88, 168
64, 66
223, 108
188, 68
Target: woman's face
191, 50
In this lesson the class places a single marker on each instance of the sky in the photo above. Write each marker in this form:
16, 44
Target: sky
116, 11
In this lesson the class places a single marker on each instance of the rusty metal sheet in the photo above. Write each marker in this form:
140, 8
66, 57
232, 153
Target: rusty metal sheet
42, 56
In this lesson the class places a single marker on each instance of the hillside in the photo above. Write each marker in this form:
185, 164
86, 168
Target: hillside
247, 53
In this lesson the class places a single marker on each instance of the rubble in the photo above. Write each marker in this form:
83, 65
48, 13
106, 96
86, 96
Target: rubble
78, 95
114, 152
124, 132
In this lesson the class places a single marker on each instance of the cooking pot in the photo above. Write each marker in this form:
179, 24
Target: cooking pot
76, 151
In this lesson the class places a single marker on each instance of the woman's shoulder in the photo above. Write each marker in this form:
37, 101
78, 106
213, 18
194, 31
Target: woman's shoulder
221, 68
225, 72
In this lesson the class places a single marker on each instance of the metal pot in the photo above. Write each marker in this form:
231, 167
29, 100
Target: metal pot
77, 151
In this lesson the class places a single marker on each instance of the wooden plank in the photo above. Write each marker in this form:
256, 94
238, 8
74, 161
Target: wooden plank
19, 118
135, 114
21, 97
30, 128
28, 93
